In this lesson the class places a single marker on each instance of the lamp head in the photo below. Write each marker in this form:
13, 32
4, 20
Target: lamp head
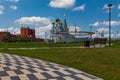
109, 5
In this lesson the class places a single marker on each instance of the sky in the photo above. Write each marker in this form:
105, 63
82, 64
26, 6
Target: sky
39, 14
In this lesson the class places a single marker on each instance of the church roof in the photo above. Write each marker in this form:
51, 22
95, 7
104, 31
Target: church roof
58, 20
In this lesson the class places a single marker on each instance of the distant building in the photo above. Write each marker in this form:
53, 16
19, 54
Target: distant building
60, 33
4, 34
27, 32
24, 32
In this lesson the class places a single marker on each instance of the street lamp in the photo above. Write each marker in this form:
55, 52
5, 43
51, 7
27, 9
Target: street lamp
91, 32
117, 35
109, 6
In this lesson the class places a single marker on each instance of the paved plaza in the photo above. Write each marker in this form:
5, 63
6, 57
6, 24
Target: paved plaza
13, 67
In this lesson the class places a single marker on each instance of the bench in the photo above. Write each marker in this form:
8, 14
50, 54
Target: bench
100, 41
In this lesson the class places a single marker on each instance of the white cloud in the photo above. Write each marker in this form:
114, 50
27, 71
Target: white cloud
72, 28
106, 23
1, 29
37, 21
96, 24
41, 24
74, 31
14, 30
13, 0
113, 23
119, 6
103, 30
13, 7
1, 9
106, 35
40, 31
62, 3
82, 7
105, 6
11, 30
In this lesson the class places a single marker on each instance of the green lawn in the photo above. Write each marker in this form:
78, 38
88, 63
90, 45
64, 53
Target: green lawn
104, 62
35, 44
43, 44
116, 44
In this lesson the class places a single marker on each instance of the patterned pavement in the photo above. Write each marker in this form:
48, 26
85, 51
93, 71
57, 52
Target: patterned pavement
13, 67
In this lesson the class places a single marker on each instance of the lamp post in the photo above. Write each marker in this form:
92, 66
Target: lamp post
117, 35
109, 6
91, 32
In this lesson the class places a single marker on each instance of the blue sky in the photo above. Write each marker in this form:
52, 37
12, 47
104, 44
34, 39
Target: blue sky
39, 14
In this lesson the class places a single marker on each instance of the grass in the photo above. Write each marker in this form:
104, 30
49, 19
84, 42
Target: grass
116, 44
36, 44
104, 62
101, 62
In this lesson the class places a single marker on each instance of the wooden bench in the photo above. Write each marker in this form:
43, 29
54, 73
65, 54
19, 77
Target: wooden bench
100, 41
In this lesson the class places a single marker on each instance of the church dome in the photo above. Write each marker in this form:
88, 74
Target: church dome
58, 20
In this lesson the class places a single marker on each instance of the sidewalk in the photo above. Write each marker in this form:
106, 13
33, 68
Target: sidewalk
13, 67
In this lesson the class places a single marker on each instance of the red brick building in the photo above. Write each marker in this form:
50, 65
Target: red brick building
3, 34
24, 32
27, 32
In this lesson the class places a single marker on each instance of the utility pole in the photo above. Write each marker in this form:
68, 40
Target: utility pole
109, 6
117, 35
90, 32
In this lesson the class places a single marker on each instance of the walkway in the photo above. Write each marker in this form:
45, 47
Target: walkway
13, 67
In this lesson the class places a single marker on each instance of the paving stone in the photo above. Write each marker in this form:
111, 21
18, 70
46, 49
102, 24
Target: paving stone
13, 67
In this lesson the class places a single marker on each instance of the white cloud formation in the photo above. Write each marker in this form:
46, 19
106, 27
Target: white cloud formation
62, 3
96, 24
82, 7
40, 31
37, 21
14, 30
113, 23
106, 23
13, 7
41, 24
73, 31
13, 0
11, 30
103, 30
72, 28
106, 35
1, 9
105, 6
1, 29
119, 6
